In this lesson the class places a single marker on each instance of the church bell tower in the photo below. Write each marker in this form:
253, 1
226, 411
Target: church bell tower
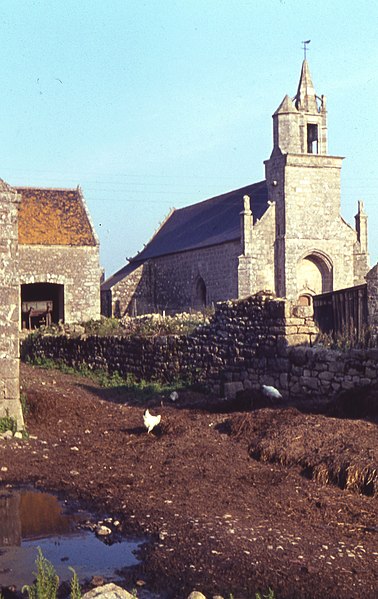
304, 182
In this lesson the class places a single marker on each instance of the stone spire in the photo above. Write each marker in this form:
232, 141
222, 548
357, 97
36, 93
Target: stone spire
305, 99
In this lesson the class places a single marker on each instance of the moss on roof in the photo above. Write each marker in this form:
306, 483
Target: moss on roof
53, 217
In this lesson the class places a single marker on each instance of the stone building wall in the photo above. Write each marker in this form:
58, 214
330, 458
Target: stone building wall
176, 276
9, 306
131, 295
169, 282
77, 268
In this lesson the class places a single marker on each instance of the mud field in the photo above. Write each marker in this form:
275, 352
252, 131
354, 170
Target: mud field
232, 502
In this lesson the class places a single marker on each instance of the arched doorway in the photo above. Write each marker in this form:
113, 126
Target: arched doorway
314, 276
199, 296
41, 304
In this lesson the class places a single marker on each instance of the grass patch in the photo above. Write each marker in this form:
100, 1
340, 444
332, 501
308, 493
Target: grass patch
140, 390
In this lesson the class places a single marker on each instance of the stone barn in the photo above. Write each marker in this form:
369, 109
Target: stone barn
284, 234
59, 271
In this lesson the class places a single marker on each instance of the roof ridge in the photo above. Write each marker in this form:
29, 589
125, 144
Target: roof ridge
47, 188
217, 197
4, 186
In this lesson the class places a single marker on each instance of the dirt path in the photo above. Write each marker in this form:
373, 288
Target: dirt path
219, 520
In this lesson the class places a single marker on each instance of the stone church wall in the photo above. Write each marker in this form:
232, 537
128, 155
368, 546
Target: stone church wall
77, 268
131, 295
169, 282
176, 276
264, 235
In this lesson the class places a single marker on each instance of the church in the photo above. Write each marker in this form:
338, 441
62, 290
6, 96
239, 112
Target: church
284, 234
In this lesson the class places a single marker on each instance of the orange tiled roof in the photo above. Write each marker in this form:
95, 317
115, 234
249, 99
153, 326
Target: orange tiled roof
53, 217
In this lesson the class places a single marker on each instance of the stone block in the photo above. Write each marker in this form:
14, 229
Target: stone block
298, 339
230, 389
309, 382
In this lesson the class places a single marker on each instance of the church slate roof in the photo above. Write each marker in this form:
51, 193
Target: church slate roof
53, 217
207, 223
200, 225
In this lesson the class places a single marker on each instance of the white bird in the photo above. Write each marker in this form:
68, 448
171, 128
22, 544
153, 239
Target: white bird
174, 396
150, 421
271, 392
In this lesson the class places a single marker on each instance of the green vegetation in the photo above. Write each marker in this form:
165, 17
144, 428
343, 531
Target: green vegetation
75, 587
347, 340
140, 390
148, 325
24, 405
270, 595
47, 581
8, 423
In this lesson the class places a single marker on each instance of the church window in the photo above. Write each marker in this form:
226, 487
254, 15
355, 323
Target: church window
312, 138
199, 299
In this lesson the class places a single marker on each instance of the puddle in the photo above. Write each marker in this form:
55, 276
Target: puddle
29, 519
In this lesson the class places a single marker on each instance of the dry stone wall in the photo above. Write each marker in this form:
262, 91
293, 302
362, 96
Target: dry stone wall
250, 342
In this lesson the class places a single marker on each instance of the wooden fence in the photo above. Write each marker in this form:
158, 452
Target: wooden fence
343, 313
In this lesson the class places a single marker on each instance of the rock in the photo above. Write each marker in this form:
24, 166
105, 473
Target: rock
18, 435
97, 581
108, 591
196, 595
103, 531
7, 435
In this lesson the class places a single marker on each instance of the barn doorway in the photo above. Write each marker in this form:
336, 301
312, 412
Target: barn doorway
41, 304
199, 299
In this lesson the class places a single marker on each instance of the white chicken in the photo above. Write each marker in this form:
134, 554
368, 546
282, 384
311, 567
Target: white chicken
150, 421
271, 392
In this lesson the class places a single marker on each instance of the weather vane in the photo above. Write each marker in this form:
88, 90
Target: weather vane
305, 44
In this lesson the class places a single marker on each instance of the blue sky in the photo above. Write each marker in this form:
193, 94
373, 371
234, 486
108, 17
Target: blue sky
156, 104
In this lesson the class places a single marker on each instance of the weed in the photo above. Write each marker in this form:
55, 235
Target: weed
8, 423
75, 587
270, 595
24, 404
106, 327
47, 581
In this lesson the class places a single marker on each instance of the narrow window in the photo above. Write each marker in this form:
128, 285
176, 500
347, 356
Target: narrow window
312, 139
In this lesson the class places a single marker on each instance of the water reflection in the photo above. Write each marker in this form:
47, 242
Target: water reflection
30, 519
10, 520
31, 515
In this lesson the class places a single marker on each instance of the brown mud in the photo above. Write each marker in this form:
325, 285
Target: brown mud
232, 502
